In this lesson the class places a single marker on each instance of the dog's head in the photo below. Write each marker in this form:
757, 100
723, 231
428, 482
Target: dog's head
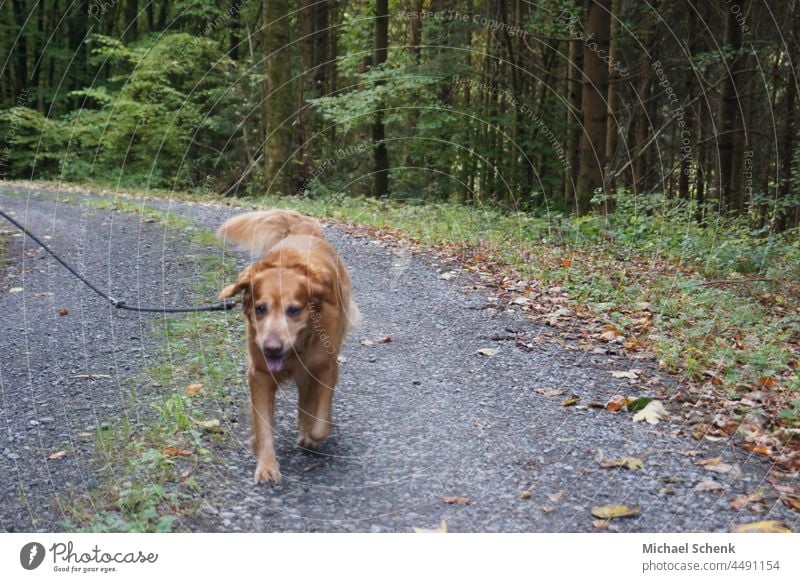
281, 302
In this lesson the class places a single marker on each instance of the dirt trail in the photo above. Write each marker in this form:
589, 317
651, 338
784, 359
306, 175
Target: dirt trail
418, 419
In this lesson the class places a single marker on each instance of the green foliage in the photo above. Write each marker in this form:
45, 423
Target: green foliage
164, 119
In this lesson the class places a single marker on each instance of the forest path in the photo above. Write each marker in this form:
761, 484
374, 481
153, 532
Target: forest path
419, 419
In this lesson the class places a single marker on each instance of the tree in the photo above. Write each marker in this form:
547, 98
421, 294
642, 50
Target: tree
380, 177
280, 98
593, 102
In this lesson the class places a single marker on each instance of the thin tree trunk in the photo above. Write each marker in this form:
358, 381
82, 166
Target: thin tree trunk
380, 177
279, 98
613, 97
729, 119
595, 89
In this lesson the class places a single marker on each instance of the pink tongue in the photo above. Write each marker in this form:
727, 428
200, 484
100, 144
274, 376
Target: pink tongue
276, 364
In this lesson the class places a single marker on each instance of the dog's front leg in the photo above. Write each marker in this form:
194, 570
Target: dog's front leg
316, 387
262, 395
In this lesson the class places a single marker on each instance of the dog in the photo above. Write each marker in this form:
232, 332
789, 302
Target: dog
296, 299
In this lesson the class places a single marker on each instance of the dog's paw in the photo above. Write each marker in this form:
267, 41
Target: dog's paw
267, 472
305, 441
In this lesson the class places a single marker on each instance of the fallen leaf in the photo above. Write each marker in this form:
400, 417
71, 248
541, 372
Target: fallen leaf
526, 494
566, 263
487, 351
176, 452
768, 382
548, 509
709, 486
571, 401
631, 463
382, 340
739, 502
57, 456
792, 501
456, 500
15, 290
441, 529
548, 392
600, 523
769, 526
614, 511
630, 374
652, 413
705, 462
556, 497
63, 312
193, 388
449, 275
616, 403
636, 404
212, 425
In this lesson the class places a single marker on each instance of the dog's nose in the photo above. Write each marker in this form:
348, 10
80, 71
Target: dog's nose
273, 347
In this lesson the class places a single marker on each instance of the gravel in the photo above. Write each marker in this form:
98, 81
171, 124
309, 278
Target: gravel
418, 419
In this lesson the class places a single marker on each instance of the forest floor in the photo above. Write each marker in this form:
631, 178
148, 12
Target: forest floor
492, 408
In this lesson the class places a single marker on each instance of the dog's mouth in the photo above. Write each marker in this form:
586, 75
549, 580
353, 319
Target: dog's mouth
276, 363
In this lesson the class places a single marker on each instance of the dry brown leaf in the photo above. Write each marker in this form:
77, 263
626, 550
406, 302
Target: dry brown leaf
556, 497
441, 529
193, 388
57, 456
615, 511
768, 382
526, 494
600, 523
487, 351
566, 263
456, 500
617, 402
631, 463
63, 312
792, 501
176, 452
769, 526
707, 462
548, 509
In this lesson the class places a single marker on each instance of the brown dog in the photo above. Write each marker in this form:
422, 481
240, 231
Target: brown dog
297, 302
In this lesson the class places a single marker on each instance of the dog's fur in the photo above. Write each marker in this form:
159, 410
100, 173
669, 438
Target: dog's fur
296, 298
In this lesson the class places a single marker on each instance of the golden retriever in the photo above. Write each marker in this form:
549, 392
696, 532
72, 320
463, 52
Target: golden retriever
296, 299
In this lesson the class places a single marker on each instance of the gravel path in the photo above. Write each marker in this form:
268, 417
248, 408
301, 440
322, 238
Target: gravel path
418, 419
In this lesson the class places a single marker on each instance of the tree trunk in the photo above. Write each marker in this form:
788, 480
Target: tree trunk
279, 98
21, 49
131, 16
788, 182
614, 77
380, 177
574, 121
595, 89
688, 88
729, 120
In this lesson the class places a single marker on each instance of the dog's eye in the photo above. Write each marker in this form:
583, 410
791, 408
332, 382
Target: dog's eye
293, 311
261, 309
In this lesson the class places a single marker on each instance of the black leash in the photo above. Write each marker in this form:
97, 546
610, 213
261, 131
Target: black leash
118, 303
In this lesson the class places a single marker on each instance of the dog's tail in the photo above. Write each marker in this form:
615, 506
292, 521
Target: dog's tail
257, 232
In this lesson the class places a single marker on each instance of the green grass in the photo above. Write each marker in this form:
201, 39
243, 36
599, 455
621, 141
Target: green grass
148, 480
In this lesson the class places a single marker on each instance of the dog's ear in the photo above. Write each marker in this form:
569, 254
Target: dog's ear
242, 283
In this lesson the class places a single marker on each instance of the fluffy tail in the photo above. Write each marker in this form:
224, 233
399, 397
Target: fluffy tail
257, 232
